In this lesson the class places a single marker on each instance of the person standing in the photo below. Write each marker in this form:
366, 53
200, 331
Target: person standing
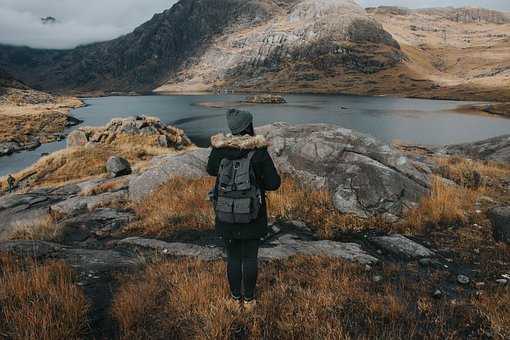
10, 183
244, 171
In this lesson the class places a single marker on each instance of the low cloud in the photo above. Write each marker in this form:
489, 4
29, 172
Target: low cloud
78, 21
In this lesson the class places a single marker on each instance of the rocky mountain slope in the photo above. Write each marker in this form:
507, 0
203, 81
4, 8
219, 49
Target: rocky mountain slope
458, 53
206, 44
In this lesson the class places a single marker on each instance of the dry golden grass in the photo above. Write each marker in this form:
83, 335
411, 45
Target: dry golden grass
446, 205
82, 162
178, 204
300, 298
45, 229
111, 185
42, 124
40, 301
181, 204
496, 309
471, 173
294, 201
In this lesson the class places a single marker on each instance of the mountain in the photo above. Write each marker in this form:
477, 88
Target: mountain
211, 44
320, 46
463, 52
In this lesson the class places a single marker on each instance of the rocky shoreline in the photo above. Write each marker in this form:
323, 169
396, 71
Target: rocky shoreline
30, 118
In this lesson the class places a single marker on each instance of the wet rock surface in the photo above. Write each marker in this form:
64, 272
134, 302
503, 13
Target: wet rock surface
365, 176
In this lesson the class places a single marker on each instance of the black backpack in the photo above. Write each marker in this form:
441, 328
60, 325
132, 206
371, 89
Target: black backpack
236, 195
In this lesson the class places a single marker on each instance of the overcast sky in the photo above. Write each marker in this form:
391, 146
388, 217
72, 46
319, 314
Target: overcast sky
85, 21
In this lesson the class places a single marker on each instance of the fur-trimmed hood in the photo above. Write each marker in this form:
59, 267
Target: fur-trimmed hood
244, 142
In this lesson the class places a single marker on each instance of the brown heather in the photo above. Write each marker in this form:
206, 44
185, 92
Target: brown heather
182, 204
464, 172
82, 162
300, 298
40, 301
45, 228
446, 205
178, 204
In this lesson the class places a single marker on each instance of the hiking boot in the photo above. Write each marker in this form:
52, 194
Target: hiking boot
249, 305
234, 303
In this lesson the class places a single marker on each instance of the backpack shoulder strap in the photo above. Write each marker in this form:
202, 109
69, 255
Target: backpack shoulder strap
250, 155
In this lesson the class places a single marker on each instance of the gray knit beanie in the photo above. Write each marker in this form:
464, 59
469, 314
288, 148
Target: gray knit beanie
238, 120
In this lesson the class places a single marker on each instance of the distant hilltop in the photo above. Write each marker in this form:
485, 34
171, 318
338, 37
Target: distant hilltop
460, 15
48, 20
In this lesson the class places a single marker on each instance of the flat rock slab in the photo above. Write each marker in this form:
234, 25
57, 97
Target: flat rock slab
495, 149
283, 247
288, 245
80, 204
29, 208
80, 259
174, 248
190, 164
402, 246
99, 223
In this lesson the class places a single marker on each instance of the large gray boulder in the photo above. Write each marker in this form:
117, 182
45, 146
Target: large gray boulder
117, 166
500, 219
495, 149
191, 164
365, 176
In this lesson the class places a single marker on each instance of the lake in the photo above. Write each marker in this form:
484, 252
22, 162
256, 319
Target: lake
408, 120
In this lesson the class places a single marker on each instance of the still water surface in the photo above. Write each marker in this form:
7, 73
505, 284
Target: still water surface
408, 120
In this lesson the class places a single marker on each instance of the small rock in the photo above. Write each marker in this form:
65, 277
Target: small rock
377, 278
500, 219
463, 279
266, 99
437, 294
402, 246
476, 251
117, 166
502, 281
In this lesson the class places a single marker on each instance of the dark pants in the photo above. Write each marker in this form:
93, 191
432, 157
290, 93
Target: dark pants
242, 267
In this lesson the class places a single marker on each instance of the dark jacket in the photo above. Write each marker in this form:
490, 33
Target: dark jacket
267, 179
